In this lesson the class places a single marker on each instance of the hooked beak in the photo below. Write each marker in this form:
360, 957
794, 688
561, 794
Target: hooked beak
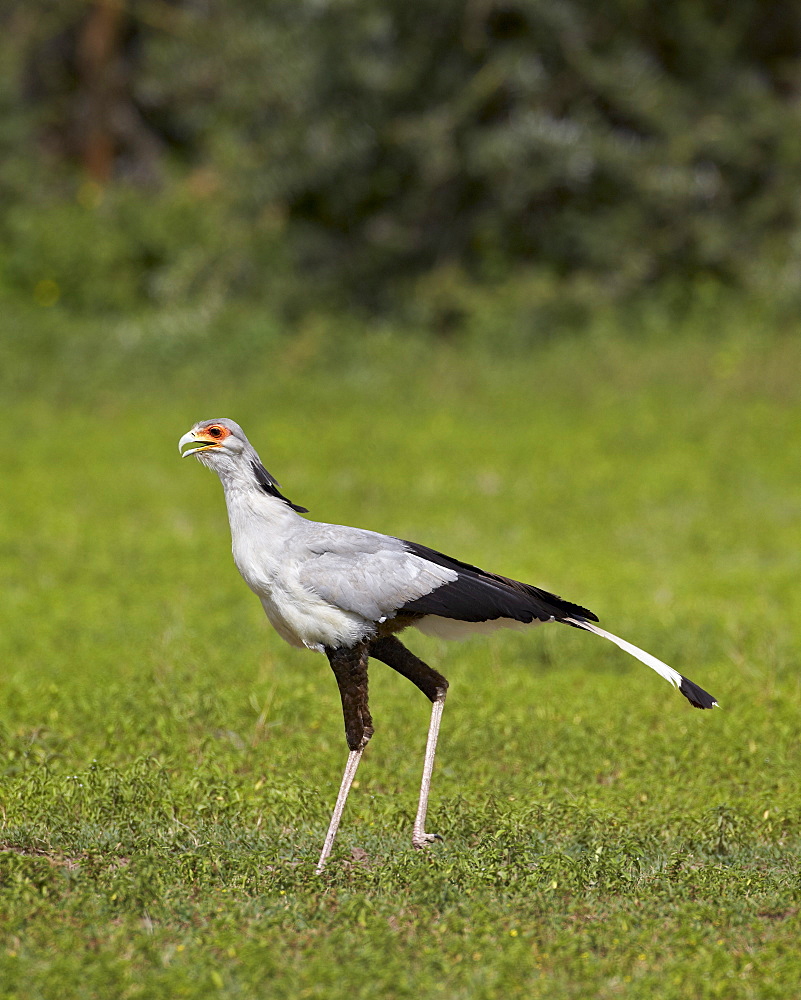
190, 444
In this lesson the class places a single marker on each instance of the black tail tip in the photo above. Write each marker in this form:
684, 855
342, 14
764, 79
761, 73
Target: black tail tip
696, 696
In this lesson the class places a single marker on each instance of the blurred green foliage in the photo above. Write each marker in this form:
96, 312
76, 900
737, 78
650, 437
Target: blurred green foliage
305, 152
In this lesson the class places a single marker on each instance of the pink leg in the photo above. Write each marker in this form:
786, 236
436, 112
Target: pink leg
419, 837
347, 780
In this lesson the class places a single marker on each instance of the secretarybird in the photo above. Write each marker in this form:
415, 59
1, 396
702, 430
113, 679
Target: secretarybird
348, 592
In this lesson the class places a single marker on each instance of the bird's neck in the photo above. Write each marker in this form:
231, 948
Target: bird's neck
250, 508
261, 527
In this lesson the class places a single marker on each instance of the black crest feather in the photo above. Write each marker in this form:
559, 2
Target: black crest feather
270, 486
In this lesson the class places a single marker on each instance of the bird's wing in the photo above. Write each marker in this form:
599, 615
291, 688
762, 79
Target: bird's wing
367, 573
378, 576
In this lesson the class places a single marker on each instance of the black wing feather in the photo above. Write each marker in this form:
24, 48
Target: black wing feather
478, 596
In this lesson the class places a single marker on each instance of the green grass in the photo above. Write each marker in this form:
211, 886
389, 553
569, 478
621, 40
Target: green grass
169, 764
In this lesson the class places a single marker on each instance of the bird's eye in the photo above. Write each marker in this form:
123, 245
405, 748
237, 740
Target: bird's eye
215, 432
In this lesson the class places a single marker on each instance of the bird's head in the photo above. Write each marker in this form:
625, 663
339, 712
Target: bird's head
222, 446
216, 443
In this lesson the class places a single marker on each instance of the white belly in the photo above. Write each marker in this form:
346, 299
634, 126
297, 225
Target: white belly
311, 622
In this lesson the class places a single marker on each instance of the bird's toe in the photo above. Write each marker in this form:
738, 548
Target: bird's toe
420, 840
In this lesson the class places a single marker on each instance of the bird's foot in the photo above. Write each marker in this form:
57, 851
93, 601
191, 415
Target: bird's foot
420, 840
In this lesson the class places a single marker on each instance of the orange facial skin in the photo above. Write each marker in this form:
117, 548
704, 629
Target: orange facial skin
214, 434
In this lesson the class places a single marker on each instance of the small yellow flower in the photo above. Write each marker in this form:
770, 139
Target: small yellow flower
46, 292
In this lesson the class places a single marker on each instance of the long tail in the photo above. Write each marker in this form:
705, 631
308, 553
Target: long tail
696, 696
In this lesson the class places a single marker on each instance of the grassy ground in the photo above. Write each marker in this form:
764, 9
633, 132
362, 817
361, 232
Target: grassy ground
169, 764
